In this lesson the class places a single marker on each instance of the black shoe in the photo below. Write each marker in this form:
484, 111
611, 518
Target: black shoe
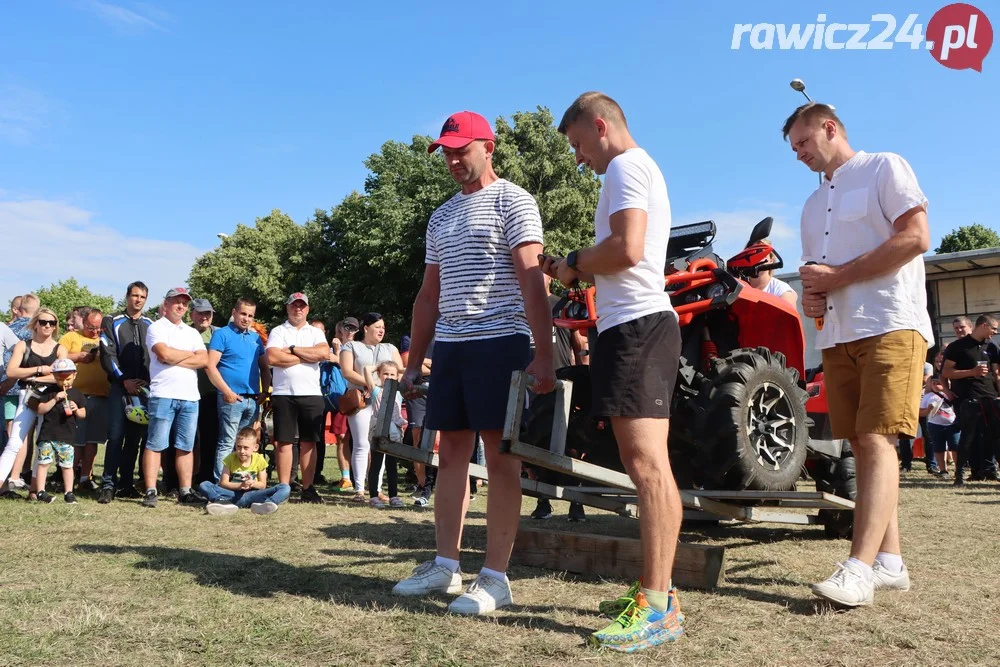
107, 495
11, 495
905, 469
149, 500
958, 479
576, 513
70, 499
543, 510
129, 492
991, 475
45, 497
319, 479
191, 498
311, 495
295, 486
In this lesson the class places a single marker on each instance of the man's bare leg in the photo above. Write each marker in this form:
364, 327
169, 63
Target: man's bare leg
184, 463
643, 446
503, 504
452, 491
150, 468
307, 463
876, 523
283, 461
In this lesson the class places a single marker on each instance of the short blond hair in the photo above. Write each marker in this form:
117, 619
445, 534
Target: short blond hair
593, 104
387, 364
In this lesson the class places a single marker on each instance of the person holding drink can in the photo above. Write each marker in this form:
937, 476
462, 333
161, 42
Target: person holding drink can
967, 365
59, 412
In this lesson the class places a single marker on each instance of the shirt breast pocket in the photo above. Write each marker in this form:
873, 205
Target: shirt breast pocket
853, 205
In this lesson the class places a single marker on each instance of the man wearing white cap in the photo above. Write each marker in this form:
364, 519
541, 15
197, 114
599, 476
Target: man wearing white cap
176, 351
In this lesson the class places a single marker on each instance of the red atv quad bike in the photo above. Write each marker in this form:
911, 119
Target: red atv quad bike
738, 413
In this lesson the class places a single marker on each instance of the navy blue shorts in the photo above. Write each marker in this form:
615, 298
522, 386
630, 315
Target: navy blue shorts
470, 381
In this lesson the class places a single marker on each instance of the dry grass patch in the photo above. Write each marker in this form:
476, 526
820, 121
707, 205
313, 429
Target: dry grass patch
310, 585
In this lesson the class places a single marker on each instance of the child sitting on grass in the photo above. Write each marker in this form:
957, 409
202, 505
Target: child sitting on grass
244, 481
387, 370
58, 411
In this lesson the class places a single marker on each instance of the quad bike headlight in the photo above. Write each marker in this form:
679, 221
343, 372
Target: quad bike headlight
716, 290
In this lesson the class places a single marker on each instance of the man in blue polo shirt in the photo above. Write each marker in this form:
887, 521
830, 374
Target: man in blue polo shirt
237, 366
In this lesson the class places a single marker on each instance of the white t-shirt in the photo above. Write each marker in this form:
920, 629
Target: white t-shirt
776, 287
634, 181
302, 379
166, 381
470, 238
942, 414
368, 355
852, 214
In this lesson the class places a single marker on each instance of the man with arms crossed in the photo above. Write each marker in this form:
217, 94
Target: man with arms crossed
294, 352
176, 352
634, 364
482, 246
863, 233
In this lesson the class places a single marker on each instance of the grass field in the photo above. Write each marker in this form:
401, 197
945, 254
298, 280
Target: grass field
310, 585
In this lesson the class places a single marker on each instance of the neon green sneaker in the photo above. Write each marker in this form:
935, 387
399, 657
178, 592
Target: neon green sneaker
640, 626
611, 608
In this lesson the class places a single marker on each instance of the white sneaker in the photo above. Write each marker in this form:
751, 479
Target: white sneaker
427, 578
266, 507
221, 509
485, 594
884, 579
846, 587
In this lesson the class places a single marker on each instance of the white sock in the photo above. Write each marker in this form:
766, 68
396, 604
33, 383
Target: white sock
891, 562
502, 576
658, 600
449, 563
859, 566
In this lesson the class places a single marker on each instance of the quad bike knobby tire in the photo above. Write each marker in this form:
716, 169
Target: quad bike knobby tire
837, 477
753, 421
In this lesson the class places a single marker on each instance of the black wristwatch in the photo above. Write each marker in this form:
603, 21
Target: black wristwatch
291, 349
571, 259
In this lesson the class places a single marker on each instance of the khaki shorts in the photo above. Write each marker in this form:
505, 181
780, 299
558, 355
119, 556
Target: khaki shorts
873, 385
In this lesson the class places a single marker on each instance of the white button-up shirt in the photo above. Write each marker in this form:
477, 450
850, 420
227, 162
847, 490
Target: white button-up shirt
850, 215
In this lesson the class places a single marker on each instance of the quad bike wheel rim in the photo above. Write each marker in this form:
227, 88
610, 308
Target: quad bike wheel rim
771, 425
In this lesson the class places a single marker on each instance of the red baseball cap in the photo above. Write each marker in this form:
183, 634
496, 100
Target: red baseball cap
461, 129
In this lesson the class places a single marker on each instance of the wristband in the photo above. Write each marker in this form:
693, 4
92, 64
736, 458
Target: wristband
571, 259
291, 349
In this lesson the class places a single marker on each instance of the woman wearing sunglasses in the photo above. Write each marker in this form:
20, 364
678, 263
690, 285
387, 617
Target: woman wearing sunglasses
31, 364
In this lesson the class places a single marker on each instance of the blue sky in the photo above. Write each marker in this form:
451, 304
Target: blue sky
131, 133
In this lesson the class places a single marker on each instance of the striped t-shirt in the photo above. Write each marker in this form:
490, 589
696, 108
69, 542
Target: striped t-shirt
470, 237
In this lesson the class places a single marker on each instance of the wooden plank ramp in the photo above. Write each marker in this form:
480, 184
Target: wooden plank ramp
695, 565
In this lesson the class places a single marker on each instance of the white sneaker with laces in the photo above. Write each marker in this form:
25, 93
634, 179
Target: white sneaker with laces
484, 595
266, 507
846, 587
221, 509
427, 578
884, 579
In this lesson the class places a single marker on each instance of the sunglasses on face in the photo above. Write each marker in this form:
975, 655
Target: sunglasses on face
350, 329
47, 323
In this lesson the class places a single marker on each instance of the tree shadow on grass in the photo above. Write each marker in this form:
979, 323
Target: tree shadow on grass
267, 577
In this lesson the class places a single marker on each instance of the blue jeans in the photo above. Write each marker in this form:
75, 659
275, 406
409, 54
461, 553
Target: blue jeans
243, 499
124, 438
165, 413
232, 418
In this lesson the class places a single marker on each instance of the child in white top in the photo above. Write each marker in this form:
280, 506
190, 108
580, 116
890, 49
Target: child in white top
387, 370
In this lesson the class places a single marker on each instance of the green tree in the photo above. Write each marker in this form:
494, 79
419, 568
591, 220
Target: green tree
66, 295
969, 237
532, 154
265, 262
372, 255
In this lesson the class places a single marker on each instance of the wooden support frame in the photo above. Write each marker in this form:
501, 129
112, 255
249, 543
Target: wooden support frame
695, 565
